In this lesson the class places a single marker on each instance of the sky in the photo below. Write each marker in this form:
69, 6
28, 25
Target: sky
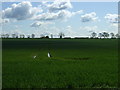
74, 19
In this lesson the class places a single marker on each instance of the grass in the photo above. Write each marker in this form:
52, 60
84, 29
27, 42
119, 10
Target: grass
75, 63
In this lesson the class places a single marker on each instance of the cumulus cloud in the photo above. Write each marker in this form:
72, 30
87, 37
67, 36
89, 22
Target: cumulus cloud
112, 18
38, 23
59, 5
54, 16
63, 14
4, 21
114, 25
89, 17
57, 10
24, 10
77, 12
20, 11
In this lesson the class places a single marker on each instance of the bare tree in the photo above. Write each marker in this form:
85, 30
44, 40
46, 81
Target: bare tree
112, 35
105, 34
51, 35
100, 35
22, 36
2, 35
117, 35
33, 35
93, 34
13, 35
61, 34
7, 35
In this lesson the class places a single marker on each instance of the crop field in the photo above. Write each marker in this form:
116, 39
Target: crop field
75, 63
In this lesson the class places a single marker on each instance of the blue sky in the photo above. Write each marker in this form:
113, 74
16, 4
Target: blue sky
73, 19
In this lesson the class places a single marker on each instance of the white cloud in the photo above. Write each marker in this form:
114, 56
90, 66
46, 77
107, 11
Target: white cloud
77, 12
112, 18
114, 25
57, 10
21, 11
63, 14
25, 10
59, 5
89, 17
38, 23
53, 16
3, 21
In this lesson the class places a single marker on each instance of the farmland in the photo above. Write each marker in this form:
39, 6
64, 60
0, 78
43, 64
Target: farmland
74, 63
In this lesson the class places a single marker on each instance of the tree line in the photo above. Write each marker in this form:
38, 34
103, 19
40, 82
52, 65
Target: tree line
104, 35
62, 35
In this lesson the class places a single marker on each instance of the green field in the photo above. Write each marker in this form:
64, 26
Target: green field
75, 63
